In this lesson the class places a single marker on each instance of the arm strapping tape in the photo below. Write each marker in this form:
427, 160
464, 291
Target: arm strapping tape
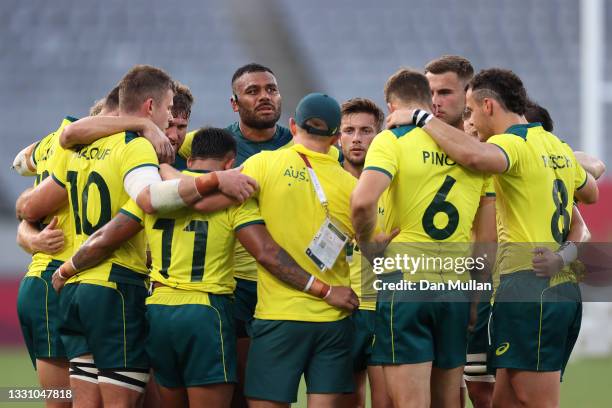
139, 179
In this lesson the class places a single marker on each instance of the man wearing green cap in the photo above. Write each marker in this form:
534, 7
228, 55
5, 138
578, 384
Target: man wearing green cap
304, 200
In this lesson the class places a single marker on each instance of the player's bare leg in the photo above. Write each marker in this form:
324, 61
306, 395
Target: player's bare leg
444, 386
378, 390
357, 398
324, 400
85, 390
253, 403
116, 396
242, 348
85, 394
533, 389
503, 394
481, 393
152, 397
408, 384
53, 374
173, 397
211, 396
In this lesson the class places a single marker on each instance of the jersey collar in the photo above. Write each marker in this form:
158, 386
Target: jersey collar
310, 153
521, 129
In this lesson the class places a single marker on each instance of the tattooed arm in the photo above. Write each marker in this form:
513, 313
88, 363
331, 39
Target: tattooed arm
97, 248
257, 241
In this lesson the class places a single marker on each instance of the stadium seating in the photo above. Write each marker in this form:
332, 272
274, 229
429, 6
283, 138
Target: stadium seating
58, 57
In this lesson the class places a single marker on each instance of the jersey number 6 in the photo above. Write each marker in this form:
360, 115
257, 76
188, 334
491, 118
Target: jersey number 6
440, 205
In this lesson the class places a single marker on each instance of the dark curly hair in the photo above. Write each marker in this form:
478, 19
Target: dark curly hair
212, 143
537, 113
502, 85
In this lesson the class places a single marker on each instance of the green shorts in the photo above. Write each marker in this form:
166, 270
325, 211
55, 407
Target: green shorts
38, 311
411, 332
281, 351
534, 335
106, 322
363, 326
245, 300
192, 345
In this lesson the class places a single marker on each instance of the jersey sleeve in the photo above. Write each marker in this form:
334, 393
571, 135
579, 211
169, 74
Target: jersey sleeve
511, 147
245, 214
58, 163
36, 153
254, 167
138, 152
487, 187
185, 149
580, 174
132, 210
382, 154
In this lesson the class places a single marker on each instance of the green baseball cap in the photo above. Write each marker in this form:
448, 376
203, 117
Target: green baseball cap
322, 107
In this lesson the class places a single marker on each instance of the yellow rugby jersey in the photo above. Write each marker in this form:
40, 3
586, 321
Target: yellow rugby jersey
362, 276
194, 251
93, 178
47, 153
245, 266
293, 215
534, 195
431, 199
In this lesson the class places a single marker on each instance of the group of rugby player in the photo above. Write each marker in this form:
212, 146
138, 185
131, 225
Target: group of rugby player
238, 296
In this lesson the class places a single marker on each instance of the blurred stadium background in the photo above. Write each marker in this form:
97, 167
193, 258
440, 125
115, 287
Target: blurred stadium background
58, 57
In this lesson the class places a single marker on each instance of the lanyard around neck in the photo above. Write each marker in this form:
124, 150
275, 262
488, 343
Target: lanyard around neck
316, 184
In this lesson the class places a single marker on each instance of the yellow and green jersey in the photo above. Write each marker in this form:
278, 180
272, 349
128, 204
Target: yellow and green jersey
245, 266
93, 178
46, 156
194, 251
362, 275
293, 215
534, 195
431, 199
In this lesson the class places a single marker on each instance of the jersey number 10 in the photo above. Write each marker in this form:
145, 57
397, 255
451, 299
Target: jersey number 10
105, 202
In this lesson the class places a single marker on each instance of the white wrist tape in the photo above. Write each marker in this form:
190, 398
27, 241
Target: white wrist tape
421, 117
139, 179
568, 252
20, 165
309, 284
165, 196
328, 293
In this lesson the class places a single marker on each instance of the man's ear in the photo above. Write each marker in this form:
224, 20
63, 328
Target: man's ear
234, 102
335, 140
148, 106
292, 126
231, 160
488, 106
390, 107
189, 162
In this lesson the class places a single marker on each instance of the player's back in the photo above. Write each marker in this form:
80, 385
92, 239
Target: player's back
45, 156
191, 250
293, 216
430, 198
535, 193
94, 178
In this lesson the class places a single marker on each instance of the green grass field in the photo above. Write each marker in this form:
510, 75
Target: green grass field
587, 382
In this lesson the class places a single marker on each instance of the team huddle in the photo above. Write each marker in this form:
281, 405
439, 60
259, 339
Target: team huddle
217, 267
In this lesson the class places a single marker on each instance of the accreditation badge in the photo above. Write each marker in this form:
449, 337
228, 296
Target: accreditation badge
326, 245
